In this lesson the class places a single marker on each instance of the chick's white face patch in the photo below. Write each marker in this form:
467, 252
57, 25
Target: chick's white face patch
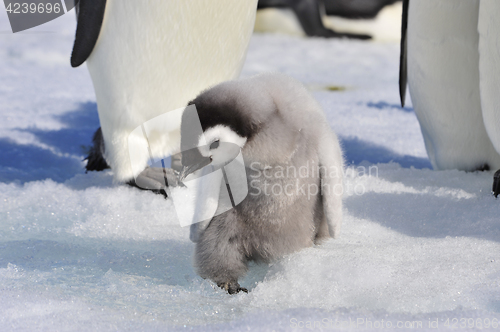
222, 144
220, 133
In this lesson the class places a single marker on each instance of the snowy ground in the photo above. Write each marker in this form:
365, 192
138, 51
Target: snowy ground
418, 247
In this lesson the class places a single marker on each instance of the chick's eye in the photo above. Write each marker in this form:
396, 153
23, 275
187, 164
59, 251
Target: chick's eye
214, 145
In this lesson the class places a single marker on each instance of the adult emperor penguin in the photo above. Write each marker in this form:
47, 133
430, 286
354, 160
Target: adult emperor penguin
294, 168
147, 58
450, 58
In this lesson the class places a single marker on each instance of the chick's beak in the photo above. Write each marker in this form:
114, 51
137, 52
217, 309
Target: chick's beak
186, 170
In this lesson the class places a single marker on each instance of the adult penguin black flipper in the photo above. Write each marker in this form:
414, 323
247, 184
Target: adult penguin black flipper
496, 184
403, 55
90, 17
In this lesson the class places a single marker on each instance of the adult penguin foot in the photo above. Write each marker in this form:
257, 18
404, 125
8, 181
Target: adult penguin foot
155, 179
152, 178
349, 35
328, 33
496, 184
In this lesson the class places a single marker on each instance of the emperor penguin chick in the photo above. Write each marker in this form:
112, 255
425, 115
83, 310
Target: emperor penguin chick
294, 167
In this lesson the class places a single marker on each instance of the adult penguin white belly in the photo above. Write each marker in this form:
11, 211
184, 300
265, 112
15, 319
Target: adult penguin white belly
489, 68
453, 63
151, 57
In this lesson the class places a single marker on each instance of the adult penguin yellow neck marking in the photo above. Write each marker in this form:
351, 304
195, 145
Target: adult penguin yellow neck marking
153, 57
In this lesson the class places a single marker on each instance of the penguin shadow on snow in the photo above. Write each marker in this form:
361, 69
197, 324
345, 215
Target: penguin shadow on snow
446, 203
357, 151
24, 163
385, 105
79, 127
439, 207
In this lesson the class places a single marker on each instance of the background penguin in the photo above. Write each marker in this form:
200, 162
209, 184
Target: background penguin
449, 57
308, 12
356, 8
358, 19
148, 58
279, 126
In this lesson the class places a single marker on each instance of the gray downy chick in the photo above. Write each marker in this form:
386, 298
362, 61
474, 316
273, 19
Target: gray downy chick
294, 167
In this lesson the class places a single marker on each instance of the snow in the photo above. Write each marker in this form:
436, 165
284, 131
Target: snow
78, 252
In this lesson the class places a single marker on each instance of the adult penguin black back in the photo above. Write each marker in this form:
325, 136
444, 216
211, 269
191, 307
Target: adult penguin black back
149, 58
